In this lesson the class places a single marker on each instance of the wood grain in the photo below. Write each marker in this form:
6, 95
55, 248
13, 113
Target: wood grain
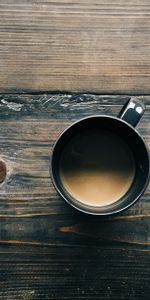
98, 46
47, 249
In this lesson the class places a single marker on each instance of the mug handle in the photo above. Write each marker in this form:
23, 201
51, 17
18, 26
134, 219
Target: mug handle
132, 111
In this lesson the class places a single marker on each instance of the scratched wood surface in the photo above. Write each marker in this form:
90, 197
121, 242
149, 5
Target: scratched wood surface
47, 249
75, 45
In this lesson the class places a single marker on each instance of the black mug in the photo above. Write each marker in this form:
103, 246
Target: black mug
124, 126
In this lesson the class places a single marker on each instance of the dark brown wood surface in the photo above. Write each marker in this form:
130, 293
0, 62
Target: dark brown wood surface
47, 249
76, 45
49, 50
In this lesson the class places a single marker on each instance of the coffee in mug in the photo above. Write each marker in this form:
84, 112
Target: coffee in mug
97, 167
100, 164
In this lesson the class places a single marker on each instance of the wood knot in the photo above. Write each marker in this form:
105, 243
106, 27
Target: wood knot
3, 171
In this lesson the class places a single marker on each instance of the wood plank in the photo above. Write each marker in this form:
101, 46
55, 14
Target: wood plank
30, 124
47, 249
97, 46
81, 273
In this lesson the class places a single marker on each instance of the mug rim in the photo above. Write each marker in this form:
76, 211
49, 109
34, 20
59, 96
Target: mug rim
107, 213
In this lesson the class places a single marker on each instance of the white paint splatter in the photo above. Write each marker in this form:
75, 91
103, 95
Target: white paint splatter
12, 105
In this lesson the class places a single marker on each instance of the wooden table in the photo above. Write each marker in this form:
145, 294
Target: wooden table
60, 61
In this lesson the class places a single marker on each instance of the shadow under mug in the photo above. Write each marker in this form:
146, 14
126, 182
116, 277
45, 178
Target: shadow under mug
123, 125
